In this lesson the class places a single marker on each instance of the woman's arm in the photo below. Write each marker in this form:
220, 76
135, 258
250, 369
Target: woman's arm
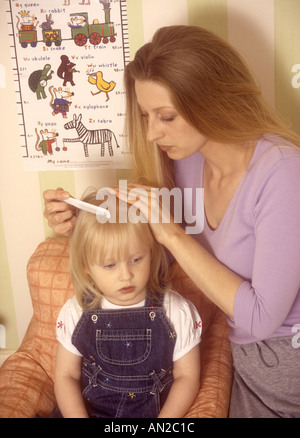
185, 387
60, 215
67, 384
215, 280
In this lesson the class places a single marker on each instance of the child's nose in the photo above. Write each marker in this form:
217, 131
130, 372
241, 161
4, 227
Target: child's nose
126, 273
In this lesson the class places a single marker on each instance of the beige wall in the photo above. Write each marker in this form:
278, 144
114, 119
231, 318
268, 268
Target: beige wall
267, 32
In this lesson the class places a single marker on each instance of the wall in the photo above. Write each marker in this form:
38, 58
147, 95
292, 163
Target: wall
266, 32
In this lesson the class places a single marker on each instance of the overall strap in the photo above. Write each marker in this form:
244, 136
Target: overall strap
154, 299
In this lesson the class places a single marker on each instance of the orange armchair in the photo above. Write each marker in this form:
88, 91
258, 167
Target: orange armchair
26, 377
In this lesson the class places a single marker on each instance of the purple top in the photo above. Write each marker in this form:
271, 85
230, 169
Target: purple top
259, 239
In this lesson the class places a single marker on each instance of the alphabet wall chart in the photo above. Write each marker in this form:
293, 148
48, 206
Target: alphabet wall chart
68, 64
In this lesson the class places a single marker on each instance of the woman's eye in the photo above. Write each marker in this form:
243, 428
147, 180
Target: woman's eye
161, 118
166, 119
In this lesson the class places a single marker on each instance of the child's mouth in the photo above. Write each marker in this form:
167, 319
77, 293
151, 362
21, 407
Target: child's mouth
127, 290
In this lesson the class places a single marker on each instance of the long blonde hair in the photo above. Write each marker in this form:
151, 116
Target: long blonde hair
90, 243
212, 89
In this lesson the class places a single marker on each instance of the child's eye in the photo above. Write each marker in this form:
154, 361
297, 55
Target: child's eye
109, 266
135, 260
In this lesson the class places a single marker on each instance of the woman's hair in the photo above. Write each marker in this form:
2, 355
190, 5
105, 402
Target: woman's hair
210, 86
92, 241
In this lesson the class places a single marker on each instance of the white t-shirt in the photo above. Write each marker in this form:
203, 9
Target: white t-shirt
181, 314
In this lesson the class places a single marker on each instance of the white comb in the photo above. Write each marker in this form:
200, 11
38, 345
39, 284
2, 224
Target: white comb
88, 207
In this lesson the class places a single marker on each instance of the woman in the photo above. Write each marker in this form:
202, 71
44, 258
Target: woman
196, 119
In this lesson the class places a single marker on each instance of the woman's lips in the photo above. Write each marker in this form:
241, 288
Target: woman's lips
165, 148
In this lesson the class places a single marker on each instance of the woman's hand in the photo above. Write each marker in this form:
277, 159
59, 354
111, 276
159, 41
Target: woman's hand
156, 213
60, 215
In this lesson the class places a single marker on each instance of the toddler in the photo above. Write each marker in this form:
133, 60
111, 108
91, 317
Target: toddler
127, 343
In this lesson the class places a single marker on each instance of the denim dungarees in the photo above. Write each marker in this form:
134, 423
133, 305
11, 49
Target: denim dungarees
127, 360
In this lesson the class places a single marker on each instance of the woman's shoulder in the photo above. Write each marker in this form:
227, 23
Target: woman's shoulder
271, 150
274, 159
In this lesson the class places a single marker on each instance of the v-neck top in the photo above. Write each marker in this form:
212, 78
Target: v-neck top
258, 238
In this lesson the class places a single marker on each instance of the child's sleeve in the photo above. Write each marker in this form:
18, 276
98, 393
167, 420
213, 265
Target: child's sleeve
66, 322
187, 324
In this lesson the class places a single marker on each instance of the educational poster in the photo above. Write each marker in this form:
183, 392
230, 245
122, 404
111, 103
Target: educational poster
68, 62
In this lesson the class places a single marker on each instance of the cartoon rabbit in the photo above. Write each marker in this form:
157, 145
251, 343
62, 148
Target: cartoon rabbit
47, 25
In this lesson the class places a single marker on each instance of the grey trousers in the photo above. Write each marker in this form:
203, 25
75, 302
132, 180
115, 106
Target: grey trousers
266, 380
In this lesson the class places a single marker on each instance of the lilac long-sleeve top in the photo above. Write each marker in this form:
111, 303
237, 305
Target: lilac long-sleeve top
259, 239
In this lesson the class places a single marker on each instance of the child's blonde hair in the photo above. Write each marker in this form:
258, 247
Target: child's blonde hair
90, 243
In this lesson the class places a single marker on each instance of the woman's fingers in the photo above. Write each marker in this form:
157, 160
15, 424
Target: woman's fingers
60, 215
149, 202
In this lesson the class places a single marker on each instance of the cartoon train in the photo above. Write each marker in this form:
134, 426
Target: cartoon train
81, 32
95, 32
52, 36
28, 37
49, 36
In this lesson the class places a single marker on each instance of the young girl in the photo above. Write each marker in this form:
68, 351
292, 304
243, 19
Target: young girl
128, 345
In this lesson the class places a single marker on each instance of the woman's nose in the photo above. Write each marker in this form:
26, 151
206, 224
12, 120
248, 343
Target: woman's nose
153, 131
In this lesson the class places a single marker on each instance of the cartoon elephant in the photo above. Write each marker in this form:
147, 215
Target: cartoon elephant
38, 81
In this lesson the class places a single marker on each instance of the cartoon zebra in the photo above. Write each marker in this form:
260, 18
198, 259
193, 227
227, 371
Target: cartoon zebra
86, 136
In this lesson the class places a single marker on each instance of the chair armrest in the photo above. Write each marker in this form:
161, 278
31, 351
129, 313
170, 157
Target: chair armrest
25, 388
213, 398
